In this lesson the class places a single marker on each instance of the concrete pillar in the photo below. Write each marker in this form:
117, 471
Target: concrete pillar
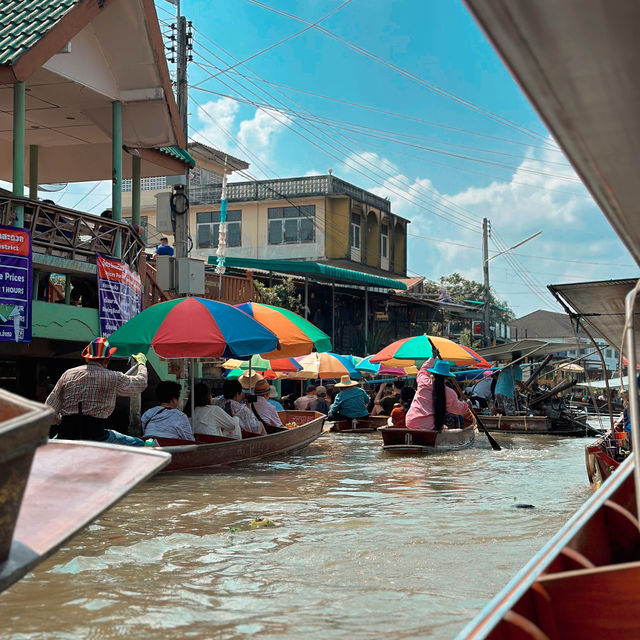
116, 168
33, 171
18, 148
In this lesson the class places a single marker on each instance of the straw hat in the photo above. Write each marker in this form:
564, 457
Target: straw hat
98, 349
346, 382
244, 380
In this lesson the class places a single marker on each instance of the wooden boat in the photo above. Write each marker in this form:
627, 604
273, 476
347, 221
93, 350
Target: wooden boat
539, 425
37, 515
363, 425
402, 440
583, 583
604, 456
211, 451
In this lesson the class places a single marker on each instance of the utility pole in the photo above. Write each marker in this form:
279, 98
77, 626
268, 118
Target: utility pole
182, 221
485, 269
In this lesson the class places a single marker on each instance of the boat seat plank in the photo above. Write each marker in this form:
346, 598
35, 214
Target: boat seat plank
249, 434
523, 628
575, 560
172, 442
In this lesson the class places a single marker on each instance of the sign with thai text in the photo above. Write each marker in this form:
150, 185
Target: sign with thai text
120, 294
15, 285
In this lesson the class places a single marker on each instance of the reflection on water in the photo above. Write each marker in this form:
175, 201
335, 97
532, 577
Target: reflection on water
366, 544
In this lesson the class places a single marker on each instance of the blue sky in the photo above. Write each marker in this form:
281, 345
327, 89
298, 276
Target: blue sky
442, 152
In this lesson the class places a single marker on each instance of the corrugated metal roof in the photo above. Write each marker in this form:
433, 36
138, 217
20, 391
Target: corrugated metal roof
26, 22
317, 270
179, 154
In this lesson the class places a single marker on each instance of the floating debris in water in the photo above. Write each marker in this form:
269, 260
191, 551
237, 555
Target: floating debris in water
259, 523
523, 506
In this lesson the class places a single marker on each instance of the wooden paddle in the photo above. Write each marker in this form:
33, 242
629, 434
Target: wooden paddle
494, 445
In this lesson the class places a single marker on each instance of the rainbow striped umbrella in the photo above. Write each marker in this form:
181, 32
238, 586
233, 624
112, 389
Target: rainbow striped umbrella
256, 363
418, 349
193, 328
296, 336
327, 365
399, 368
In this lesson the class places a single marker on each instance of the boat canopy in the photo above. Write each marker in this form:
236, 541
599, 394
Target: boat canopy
533, 347
614, 383
600, 304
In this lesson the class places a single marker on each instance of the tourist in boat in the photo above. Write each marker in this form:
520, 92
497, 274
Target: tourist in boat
259, 404
320, 403
510, 377
350, 402
386, 403
166, 420
303, 402
435, 406
232, 403
210, 419
483, 391
273, 398
399, 412
84, 397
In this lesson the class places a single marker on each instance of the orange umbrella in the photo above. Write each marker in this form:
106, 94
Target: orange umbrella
296, 336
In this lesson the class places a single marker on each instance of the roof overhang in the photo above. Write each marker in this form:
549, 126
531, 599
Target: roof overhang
599, 304
529, 347
91, 58
314, 270
578, 63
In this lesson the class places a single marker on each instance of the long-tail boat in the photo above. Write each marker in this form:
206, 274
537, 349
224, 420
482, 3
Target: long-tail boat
361, 425
50, 492
411, 441
212, 451
539, 425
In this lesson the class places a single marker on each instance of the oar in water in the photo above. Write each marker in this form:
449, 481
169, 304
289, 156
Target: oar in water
494, 445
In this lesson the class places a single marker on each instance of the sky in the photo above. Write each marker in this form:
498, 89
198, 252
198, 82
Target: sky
405, 98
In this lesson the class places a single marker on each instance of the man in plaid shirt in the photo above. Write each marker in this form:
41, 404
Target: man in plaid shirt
84, 397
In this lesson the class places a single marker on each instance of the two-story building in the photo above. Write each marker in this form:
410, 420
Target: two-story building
317, 218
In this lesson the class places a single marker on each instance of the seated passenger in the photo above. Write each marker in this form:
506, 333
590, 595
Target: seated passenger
435, 404
210, 419
263, 410
320, 403
232, 403
273, 398
351, 401
166, 420
399, 411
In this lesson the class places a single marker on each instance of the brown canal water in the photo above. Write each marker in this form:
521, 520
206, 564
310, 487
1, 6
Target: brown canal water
365, 544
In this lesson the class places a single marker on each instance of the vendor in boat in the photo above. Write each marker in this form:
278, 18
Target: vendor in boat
84, 397
166, 420
210, 419
435, 406
399, 412
232, 403
384, 404
350, 402
484, 390
260, 406
509, 378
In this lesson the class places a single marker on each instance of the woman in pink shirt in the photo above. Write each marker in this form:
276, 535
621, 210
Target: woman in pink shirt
433, 399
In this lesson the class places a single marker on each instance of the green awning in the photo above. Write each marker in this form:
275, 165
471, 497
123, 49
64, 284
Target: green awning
179, 154
316, 270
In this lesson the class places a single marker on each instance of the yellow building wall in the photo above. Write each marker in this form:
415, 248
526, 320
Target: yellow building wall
337, 222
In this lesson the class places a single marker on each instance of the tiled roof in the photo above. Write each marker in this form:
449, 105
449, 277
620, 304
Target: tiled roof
179, 154
23, 23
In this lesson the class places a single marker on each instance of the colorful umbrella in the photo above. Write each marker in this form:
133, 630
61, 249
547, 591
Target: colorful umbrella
327, 365
407, 368
287, 365
234, 374
296, 336
193, 328
419, 349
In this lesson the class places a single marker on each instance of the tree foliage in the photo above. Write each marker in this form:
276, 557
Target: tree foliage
283, 294
455, 288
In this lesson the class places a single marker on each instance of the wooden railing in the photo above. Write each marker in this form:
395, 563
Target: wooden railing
72, 234
231, 289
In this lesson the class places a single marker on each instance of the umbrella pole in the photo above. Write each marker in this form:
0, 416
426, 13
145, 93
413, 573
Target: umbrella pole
250, 377
193, 386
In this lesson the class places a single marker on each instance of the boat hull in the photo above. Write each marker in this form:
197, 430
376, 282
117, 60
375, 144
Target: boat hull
202, 455
416, 441
603, 457
536, 425
365, 425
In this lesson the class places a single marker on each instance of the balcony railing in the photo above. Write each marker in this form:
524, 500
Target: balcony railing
72, 234
307, 186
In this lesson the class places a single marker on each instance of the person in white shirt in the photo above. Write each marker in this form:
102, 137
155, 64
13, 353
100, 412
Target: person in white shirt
209, 419
303, 402
266, 412
482, 392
